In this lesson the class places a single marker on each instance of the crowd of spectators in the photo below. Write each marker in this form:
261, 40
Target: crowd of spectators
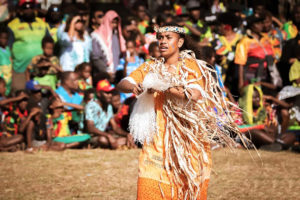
59, 65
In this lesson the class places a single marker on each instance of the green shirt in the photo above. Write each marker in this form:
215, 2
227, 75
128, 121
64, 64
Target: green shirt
27, 41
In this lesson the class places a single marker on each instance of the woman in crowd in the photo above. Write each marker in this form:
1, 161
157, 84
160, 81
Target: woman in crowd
75, 43
108, 43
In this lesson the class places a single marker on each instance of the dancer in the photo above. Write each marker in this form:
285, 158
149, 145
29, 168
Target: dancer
179, 110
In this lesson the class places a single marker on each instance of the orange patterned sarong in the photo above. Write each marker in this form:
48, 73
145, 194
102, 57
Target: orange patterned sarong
149, 189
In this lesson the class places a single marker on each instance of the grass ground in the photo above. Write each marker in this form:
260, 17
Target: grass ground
110, 175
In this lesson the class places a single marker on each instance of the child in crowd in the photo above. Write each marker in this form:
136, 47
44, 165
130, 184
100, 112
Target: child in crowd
5, 59
44, 68
83, 72
58, 126
132, 60
120, 110
9, 139
153, 50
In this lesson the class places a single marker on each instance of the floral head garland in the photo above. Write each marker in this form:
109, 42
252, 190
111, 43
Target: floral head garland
175, 29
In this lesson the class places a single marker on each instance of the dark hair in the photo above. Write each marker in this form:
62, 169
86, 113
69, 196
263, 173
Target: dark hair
229, 18
3, 29
88, 92
115, 93
206, 53
68, 24
152, 46
47, 39
2, 79
297, 51
81, 66
64, 76
134, 43
18, 92
189, 43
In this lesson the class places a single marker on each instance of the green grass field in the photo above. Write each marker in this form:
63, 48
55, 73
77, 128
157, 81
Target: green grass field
110, 175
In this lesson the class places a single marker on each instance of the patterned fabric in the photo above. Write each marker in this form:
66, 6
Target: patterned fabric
149, 189
152, 157
251, 47
34, 69
205, 30
290, 29
12, 120
295, 73
277, 37
6, 67
60, 125
83, 85
142, 26
27, 41
94, 113
226, 49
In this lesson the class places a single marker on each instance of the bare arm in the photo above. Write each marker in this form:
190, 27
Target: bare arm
117, 129
76, 106
92, 129
127, 87
241, 76
277, 101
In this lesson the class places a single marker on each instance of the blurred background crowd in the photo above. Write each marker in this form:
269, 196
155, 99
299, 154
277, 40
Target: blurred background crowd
61, 59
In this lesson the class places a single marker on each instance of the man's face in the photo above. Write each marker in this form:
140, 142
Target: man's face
72, 82
28, 12
141, 12
169, 43
105, 96
195, 14
98, 17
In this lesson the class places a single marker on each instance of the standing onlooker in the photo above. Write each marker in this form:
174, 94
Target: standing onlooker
96, 20
26, 34
44, 68
74, 42
254, 53
54, 17
108, 43
5, 59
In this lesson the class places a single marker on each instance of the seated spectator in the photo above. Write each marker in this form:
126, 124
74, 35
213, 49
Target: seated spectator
39, 95
99, 114
71, 98
9, 137
74, 42
43, 68
260, 120
58, 127
5, 59
83, 72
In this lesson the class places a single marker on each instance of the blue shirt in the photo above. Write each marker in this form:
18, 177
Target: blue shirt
94, 113
63, 94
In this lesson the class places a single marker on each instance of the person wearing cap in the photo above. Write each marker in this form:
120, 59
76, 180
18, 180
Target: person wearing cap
99, 114
26, 34
254, 53
195, 26
54, 18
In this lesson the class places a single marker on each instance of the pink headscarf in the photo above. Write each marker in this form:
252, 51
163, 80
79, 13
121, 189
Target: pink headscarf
105, 31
